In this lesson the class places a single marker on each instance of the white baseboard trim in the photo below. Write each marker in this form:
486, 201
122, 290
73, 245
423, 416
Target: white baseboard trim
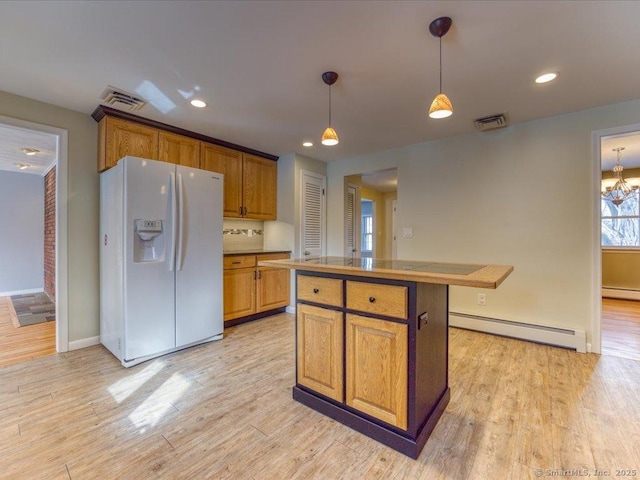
84, 343
290, 309
560, 337
21, 292
621, 293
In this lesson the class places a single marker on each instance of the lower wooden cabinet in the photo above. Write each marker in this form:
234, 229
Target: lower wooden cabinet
250, 290
376, 370
239, 293
319, 341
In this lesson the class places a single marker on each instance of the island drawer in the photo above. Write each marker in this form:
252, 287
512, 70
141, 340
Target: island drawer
379, 299
239, 261
327, 291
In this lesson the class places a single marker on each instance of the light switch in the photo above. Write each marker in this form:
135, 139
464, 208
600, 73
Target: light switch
407, 232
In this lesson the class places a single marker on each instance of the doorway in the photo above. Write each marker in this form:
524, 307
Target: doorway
617, 152
370, 204
26, 135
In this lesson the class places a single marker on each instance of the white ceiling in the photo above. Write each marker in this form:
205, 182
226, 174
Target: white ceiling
385, 181
14, 139
259, 63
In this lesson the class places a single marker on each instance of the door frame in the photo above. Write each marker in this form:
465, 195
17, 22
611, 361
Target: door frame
596, 231
62, 298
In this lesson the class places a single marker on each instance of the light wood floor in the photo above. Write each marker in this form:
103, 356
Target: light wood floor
224, 411
23, 343
621, 328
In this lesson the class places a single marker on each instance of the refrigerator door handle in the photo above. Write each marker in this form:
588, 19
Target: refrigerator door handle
180, 221
174, 223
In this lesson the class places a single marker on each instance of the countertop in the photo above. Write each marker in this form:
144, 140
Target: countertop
462, 274
252, 252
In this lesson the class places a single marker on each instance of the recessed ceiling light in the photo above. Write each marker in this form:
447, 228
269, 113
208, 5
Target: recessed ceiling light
22, 166
198, 103
307, 144
546, 77
30, 151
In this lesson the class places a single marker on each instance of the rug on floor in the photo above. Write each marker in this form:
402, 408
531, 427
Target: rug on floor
33, 308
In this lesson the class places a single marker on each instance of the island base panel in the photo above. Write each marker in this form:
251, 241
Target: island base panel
408, 446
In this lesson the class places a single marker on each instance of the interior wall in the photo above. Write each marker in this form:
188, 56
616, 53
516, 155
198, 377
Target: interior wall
501, 197
82, 205
389, 233
22, 221
620, 269
284, 233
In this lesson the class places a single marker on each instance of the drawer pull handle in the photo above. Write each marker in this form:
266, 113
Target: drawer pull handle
372, 299
236, 263
315, 290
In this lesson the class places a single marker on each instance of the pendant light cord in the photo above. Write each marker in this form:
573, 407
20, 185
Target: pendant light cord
441, 64
329, 105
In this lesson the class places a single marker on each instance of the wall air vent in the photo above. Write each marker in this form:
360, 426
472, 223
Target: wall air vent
119, 98
491, 122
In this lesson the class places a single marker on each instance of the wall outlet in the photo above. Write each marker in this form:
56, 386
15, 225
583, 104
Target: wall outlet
407, 232
482, 299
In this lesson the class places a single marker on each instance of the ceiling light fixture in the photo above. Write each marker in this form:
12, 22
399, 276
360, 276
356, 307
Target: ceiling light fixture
329, 137
441, 106
198, 103
30, 151
307, 144
546, 77
618, 191
22, 166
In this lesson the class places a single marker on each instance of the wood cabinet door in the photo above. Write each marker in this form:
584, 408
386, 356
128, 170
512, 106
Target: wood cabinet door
319, 343
239, 293
272, 288
376, 373
229, 163
259, 187
179, 149
127, 138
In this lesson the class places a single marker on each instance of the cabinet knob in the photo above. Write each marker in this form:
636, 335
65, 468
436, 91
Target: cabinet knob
372, 299
315, 290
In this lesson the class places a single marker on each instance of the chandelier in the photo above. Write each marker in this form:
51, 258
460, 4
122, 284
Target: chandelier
619, 191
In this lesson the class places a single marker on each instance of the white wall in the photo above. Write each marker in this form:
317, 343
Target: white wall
285, 232
520, 196
22, 238
82, 205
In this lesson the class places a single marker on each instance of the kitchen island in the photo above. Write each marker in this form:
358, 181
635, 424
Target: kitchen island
372, 341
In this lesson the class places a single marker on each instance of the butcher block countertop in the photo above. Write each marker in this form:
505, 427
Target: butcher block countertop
466, 275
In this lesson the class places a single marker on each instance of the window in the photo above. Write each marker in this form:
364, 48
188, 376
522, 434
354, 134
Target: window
621, 223
366, 247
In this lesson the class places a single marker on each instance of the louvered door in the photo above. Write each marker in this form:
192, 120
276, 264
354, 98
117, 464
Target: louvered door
351, 221
313, 214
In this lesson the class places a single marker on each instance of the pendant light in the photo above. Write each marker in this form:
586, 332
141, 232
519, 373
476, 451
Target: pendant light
329, 137
441, 106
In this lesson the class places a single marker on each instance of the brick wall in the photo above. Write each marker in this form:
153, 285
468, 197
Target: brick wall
50, 233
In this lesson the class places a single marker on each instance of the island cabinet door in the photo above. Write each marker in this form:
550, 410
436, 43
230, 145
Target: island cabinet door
319, 343
376, 375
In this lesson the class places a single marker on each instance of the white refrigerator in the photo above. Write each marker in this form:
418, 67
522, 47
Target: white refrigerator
160, 258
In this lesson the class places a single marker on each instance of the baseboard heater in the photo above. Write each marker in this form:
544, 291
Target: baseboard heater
560, 337
622, 293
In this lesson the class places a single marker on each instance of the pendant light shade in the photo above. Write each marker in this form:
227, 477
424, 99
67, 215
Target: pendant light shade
329, 137
441, 106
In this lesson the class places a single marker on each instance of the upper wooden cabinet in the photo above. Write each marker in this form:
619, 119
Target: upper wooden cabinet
179, 149
229, 163
259, 185
118, 138
250, 182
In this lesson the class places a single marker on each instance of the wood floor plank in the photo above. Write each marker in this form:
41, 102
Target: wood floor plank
224, 410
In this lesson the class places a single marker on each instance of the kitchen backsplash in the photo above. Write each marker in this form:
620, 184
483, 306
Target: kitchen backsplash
242, 235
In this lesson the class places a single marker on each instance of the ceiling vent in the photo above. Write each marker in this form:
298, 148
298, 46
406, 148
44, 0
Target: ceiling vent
121, 99
491, 122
